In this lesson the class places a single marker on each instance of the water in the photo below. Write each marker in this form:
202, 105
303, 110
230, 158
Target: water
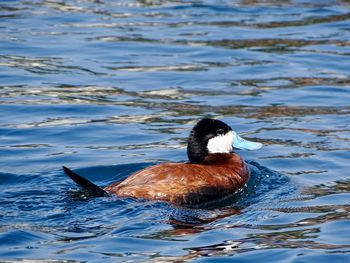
110, 87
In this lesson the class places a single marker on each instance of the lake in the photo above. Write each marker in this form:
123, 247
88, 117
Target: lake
109, 87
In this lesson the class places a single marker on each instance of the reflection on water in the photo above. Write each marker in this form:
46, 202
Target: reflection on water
113, 86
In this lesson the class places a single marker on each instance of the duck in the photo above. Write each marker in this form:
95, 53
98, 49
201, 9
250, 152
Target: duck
214, 171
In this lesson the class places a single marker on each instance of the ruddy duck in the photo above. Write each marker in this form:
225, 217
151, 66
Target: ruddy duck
213, 172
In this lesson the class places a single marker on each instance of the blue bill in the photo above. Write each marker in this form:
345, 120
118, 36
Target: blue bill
243, 144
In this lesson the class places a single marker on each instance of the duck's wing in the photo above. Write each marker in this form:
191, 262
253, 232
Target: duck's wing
85, 183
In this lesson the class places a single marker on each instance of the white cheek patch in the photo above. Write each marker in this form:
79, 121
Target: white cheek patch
221, 143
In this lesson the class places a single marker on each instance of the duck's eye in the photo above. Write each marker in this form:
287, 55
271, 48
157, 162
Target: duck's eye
221, 131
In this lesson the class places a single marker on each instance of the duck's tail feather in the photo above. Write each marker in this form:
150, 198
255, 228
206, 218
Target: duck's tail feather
85, 183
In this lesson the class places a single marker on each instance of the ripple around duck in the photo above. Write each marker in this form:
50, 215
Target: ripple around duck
77, 217
69, 228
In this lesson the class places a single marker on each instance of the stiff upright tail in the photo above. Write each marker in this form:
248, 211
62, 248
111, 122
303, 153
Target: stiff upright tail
85, 183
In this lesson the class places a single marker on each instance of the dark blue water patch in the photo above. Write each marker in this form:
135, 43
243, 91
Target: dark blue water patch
9, 179
269, 185
17, 237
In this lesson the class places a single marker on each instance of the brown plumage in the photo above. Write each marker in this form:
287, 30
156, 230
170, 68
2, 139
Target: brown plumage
218, 176
212, 173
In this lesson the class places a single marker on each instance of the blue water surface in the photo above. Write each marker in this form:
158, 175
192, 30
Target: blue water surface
110, 87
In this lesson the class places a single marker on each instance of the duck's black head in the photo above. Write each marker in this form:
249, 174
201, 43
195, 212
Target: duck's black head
214, 136
209, 136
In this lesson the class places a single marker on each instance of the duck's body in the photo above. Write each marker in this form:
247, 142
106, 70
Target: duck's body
214, 172
186, 183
